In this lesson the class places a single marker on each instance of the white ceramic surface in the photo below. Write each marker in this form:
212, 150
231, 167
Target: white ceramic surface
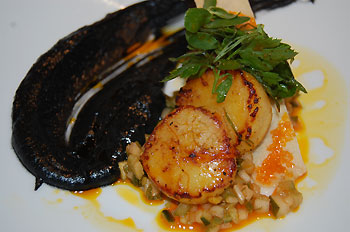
30, 28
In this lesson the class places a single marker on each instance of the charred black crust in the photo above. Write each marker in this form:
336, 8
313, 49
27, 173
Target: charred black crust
253, 99
126, 109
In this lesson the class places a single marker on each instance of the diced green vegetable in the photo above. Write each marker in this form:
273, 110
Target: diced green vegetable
285, 198
239, 163
227, 217
182, 209
216, 221
123, 166
205, 221
278, 207
150, 195
136, 182
274, 207
249, 206
232, 211
168, 215
227, 193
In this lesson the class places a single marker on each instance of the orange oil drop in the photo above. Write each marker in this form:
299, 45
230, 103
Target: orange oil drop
97, 215
128, 222
91, 194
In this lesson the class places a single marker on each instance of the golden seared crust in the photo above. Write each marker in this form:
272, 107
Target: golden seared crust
189, 156
246, 105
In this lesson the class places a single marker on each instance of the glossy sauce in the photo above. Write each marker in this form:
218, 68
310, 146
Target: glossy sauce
322, 121
134, 195
147, 47
91, 196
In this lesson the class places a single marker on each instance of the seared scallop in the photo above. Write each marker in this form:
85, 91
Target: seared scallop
189, 155
246, 110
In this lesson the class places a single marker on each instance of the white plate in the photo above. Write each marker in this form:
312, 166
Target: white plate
30, 28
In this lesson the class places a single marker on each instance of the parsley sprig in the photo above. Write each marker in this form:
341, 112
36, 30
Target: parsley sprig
218, 41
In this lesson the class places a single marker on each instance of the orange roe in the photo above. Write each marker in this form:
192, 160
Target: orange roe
278, 160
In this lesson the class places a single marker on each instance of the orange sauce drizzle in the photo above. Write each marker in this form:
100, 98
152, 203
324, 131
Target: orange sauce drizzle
128, 222
303, 139
133, 47
137, 49
278, 160
72, 120
131, 197
99, 85
91, 196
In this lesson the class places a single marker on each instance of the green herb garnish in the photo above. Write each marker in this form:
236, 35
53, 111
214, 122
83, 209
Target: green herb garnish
205, 221
168, 215
217, 41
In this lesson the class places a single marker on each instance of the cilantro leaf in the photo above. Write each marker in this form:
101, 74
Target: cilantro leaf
192, 66
195, 18
202, 40
221, 13
228, 65
223, 88
218, 23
